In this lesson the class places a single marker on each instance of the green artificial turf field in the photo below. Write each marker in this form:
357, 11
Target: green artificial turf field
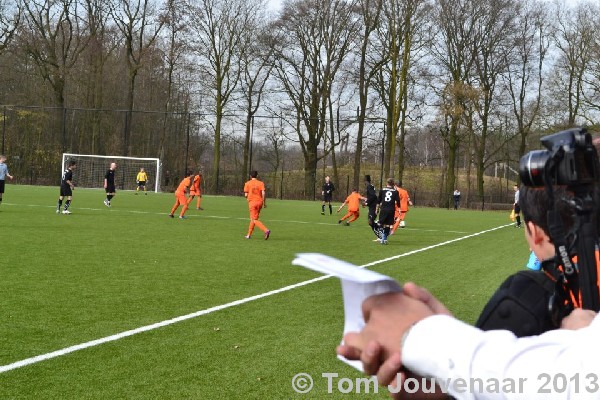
71, 279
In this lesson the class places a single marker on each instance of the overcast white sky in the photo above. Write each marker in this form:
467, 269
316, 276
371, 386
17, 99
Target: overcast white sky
276, 4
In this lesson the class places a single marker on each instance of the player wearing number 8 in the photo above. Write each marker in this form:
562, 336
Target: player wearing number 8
387, 202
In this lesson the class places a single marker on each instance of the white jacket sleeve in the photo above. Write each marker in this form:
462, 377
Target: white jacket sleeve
469, 363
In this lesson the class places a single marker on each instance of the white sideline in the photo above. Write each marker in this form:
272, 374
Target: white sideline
146, 328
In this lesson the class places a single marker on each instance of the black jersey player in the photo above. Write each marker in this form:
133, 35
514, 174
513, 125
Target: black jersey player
66, 188
386, 203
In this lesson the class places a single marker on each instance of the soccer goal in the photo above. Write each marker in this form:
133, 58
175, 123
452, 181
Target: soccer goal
92, 168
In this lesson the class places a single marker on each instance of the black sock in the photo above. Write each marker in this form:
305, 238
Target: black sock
108, 197
330, 209
386, 231
67, 204
59, 204
518, 220
323, 208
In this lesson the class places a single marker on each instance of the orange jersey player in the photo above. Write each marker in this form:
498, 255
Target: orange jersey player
353, 200
402, 210
255, 193
180, 198
196, 190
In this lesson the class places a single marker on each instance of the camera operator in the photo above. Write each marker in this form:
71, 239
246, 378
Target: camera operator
403, 329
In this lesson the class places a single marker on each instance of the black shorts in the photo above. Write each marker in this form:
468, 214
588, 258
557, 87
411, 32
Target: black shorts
373, 210
2, 186
65, 191
141, 183
386, 217
110, 189
327, 197
517, 209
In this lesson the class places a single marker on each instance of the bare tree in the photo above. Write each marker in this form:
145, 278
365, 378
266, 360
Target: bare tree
221, 32
272, 154
54, 39
10, 18
525, 76
139, 24
98, 50
574, 39
370, 11
174, 52
491, 46
257, 67
453, 52
400, 35
312, 39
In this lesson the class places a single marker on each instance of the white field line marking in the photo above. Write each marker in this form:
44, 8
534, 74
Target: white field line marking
217, 217
112, 338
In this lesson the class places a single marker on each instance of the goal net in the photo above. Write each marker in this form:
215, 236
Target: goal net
91, 170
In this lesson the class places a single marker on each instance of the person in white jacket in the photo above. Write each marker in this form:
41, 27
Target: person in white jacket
414, 333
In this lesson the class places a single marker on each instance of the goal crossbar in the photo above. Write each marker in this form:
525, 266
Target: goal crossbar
92, 167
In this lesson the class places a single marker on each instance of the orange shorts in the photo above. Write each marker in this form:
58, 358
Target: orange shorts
254, 208
181, 199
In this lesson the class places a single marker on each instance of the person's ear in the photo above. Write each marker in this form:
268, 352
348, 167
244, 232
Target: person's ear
537, 234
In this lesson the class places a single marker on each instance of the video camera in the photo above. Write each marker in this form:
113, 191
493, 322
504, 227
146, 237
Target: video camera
570, 160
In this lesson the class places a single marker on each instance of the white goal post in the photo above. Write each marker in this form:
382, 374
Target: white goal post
92, 168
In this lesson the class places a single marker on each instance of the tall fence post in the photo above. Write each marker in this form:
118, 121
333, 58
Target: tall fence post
64, 129
3, 128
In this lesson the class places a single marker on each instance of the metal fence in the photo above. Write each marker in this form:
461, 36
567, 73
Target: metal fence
34, 138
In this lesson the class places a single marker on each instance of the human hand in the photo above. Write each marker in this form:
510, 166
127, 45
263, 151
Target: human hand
579, 318
387, 316
390, 372
376, 358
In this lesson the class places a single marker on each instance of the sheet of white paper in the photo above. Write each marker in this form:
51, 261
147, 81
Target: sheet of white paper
357, 285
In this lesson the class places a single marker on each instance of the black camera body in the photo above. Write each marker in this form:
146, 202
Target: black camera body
570, 160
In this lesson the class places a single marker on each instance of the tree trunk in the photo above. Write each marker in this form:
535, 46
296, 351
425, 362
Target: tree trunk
310, 174
450, 172
245, 172
217, 150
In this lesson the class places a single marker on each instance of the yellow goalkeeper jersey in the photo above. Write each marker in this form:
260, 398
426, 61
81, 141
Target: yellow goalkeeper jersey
141, 177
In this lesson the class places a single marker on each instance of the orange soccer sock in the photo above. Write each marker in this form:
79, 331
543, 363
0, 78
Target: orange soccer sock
345, 217
183, 210
190, 199
199, 199
251, 228
260, 225
354, 217
174, 208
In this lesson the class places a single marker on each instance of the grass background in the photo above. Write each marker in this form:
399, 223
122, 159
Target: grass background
69, 279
